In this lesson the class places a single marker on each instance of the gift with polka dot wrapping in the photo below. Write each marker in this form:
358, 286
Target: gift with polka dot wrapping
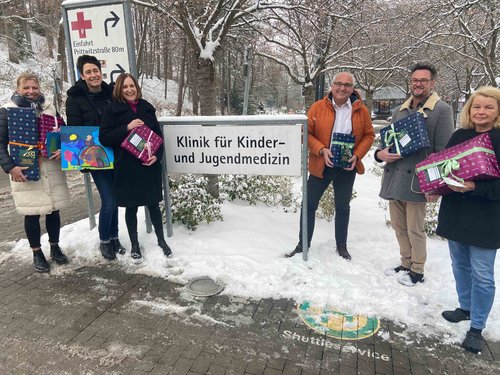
409, 133
342, 148
23, 139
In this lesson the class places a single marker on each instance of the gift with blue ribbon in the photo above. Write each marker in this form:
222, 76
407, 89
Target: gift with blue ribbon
405, 136
342, 148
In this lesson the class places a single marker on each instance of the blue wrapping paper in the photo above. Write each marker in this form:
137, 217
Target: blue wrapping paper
342, 148
23, 139
53, 142
406, 135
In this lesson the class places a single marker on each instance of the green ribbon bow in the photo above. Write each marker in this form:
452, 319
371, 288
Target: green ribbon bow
390, 135
448, 167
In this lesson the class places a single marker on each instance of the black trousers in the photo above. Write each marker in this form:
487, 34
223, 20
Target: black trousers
342, 182
156, 220
33, 232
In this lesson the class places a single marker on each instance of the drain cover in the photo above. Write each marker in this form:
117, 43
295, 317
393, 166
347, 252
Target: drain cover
204, 287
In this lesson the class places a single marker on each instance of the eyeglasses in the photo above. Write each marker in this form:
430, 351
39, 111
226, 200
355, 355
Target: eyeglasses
346, 85
423, 81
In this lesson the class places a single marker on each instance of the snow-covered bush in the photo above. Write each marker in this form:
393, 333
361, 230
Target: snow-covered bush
191, 203
326, 207
377, 142
431, 218
270, 190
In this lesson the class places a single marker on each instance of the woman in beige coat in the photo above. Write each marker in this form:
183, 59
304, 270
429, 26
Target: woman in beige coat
34, 198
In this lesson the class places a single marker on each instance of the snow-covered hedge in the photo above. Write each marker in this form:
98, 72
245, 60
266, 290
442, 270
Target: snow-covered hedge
191, 202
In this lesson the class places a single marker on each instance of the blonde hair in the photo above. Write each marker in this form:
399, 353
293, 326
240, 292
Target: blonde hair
486, 91
26, 76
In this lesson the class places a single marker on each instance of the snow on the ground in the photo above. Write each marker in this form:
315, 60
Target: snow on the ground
245, 251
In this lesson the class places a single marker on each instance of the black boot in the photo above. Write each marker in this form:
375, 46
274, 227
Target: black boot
135, 251
473, 341
117, 246
40, 262
457, 315
297, 250
342, 250
107, 250
57, 255
165, 248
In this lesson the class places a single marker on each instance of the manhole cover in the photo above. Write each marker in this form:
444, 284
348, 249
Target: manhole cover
204, 287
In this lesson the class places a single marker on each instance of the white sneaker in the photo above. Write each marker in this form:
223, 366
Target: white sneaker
411, 278
396, 270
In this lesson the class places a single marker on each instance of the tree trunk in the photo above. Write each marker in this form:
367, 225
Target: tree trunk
192, 82
182, 80
369, 100
205, 72
309, 96
28, 47
228, 83
61, 52
50, 43
165, 61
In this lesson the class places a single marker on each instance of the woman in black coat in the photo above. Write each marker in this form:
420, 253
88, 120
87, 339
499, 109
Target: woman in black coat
85, 105
135, 183
469, 218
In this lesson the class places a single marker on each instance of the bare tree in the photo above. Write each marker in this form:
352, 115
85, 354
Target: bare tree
207, 27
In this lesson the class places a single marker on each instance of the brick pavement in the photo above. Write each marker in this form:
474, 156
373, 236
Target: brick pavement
102, 320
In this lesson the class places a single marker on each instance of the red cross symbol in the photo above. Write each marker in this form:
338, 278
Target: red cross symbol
81, 24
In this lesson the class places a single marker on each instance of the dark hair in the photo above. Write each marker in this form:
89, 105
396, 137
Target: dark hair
87, 59
425, 66
117, 91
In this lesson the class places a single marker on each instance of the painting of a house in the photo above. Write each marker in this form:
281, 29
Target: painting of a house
81, 149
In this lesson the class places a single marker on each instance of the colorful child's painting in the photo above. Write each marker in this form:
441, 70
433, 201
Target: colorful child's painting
81, 149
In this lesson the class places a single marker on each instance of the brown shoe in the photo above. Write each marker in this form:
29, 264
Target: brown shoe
342, 250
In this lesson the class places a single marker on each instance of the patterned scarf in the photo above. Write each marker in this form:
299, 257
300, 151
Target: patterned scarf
22, 101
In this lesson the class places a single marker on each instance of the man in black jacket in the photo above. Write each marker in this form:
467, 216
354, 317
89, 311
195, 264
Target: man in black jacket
86, 102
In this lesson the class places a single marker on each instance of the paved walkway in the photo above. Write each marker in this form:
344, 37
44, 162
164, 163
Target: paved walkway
100, 319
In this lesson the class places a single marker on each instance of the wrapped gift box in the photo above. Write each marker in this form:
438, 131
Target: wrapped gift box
406, 135
142, 142
471, 160
81, 149
49, 124
23, 138
342, 148
52, 143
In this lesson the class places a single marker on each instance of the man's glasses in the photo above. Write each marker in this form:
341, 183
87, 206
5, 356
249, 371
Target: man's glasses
346, 85
423, 81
